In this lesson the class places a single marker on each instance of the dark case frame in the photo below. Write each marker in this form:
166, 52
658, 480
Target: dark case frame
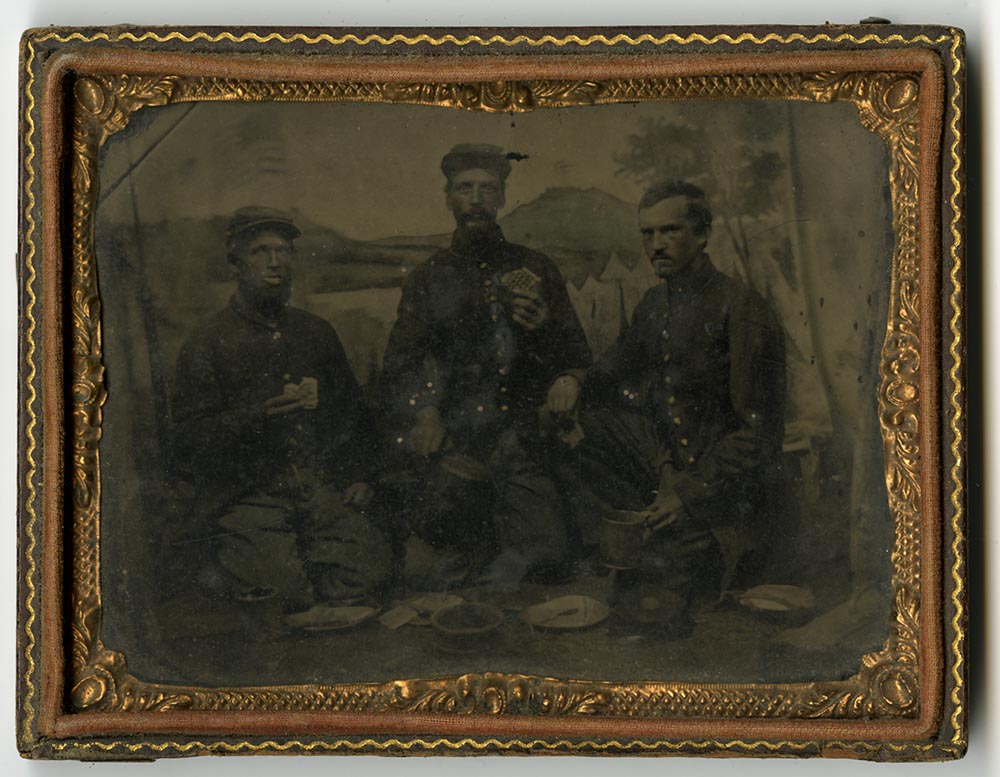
79, 86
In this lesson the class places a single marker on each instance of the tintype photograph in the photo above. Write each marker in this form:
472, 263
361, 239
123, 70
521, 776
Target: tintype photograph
561, 392
407, 391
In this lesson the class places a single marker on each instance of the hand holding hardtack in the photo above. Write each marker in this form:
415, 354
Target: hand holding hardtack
296, 396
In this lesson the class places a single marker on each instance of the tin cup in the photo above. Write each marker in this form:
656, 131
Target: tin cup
621, 539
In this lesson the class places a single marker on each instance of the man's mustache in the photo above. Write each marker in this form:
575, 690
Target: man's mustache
476, 213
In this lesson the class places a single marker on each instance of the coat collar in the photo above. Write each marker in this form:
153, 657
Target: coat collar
692, 279
247, 311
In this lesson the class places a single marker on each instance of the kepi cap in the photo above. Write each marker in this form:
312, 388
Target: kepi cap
477, 156
255, 216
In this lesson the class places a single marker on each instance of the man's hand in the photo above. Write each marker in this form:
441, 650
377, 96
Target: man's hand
563, 395
297, 396
283, 404
664, 511
358, 495
427, 434
741, 451
529, 309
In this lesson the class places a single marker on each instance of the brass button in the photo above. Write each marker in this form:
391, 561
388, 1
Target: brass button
690, 459
677, 420
503, 389
684, 441
482, 265
666, 358
504, 408
276, 335
671, 400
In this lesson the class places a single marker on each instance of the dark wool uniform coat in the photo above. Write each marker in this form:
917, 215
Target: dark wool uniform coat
273, 483
704, 361
227, 369
455, 347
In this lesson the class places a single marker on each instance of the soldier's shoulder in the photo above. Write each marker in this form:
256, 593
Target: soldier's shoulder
305, 320
441, 263
742, 292
748, 304
210, 328
735, 289
529, 254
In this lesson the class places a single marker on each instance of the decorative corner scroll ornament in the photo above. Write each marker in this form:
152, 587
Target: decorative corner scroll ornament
100, 679
887, 682
887, 105
108, 102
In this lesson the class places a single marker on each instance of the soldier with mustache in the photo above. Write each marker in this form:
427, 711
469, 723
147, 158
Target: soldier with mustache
482, 329
682, 421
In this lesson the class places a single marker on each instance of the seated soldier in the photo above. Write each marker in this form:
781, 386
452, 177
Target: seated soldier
483, 327
681, 421
272, 436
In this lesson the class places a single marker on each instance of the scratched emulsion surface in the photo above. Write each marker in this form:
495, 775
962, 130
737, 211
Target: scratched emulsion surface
802, 213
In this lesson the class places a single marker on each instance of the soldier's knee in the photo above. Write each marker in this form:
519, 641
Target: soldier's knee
249, 517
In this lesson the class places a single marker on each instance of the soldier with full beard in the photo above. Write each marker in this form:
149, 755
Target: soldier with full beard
482, 329
272, 436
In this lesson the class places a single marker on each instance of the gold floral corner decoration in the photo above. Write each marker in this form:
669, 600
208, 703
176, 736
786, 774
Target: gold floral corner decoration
886, 684
99, 678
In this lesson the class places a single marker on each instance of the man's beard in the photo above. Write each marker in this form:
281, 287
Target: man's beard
477, 221
266, 299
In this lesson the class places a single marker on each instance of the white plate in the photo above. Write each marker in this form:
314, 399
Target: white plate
566, 612
325, 618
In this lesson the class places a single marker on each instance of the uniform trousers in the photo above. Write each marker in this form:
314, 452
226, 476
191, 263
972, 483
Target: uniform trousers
309, 549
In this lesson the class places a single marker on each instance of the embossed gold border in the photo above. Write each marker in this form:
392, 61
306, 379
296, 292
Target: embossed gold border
100, 670
489, 40
29, 396
957, 399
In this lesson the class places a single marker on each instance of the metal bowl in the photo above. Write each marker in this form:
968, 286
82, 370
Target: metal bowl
466, 625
